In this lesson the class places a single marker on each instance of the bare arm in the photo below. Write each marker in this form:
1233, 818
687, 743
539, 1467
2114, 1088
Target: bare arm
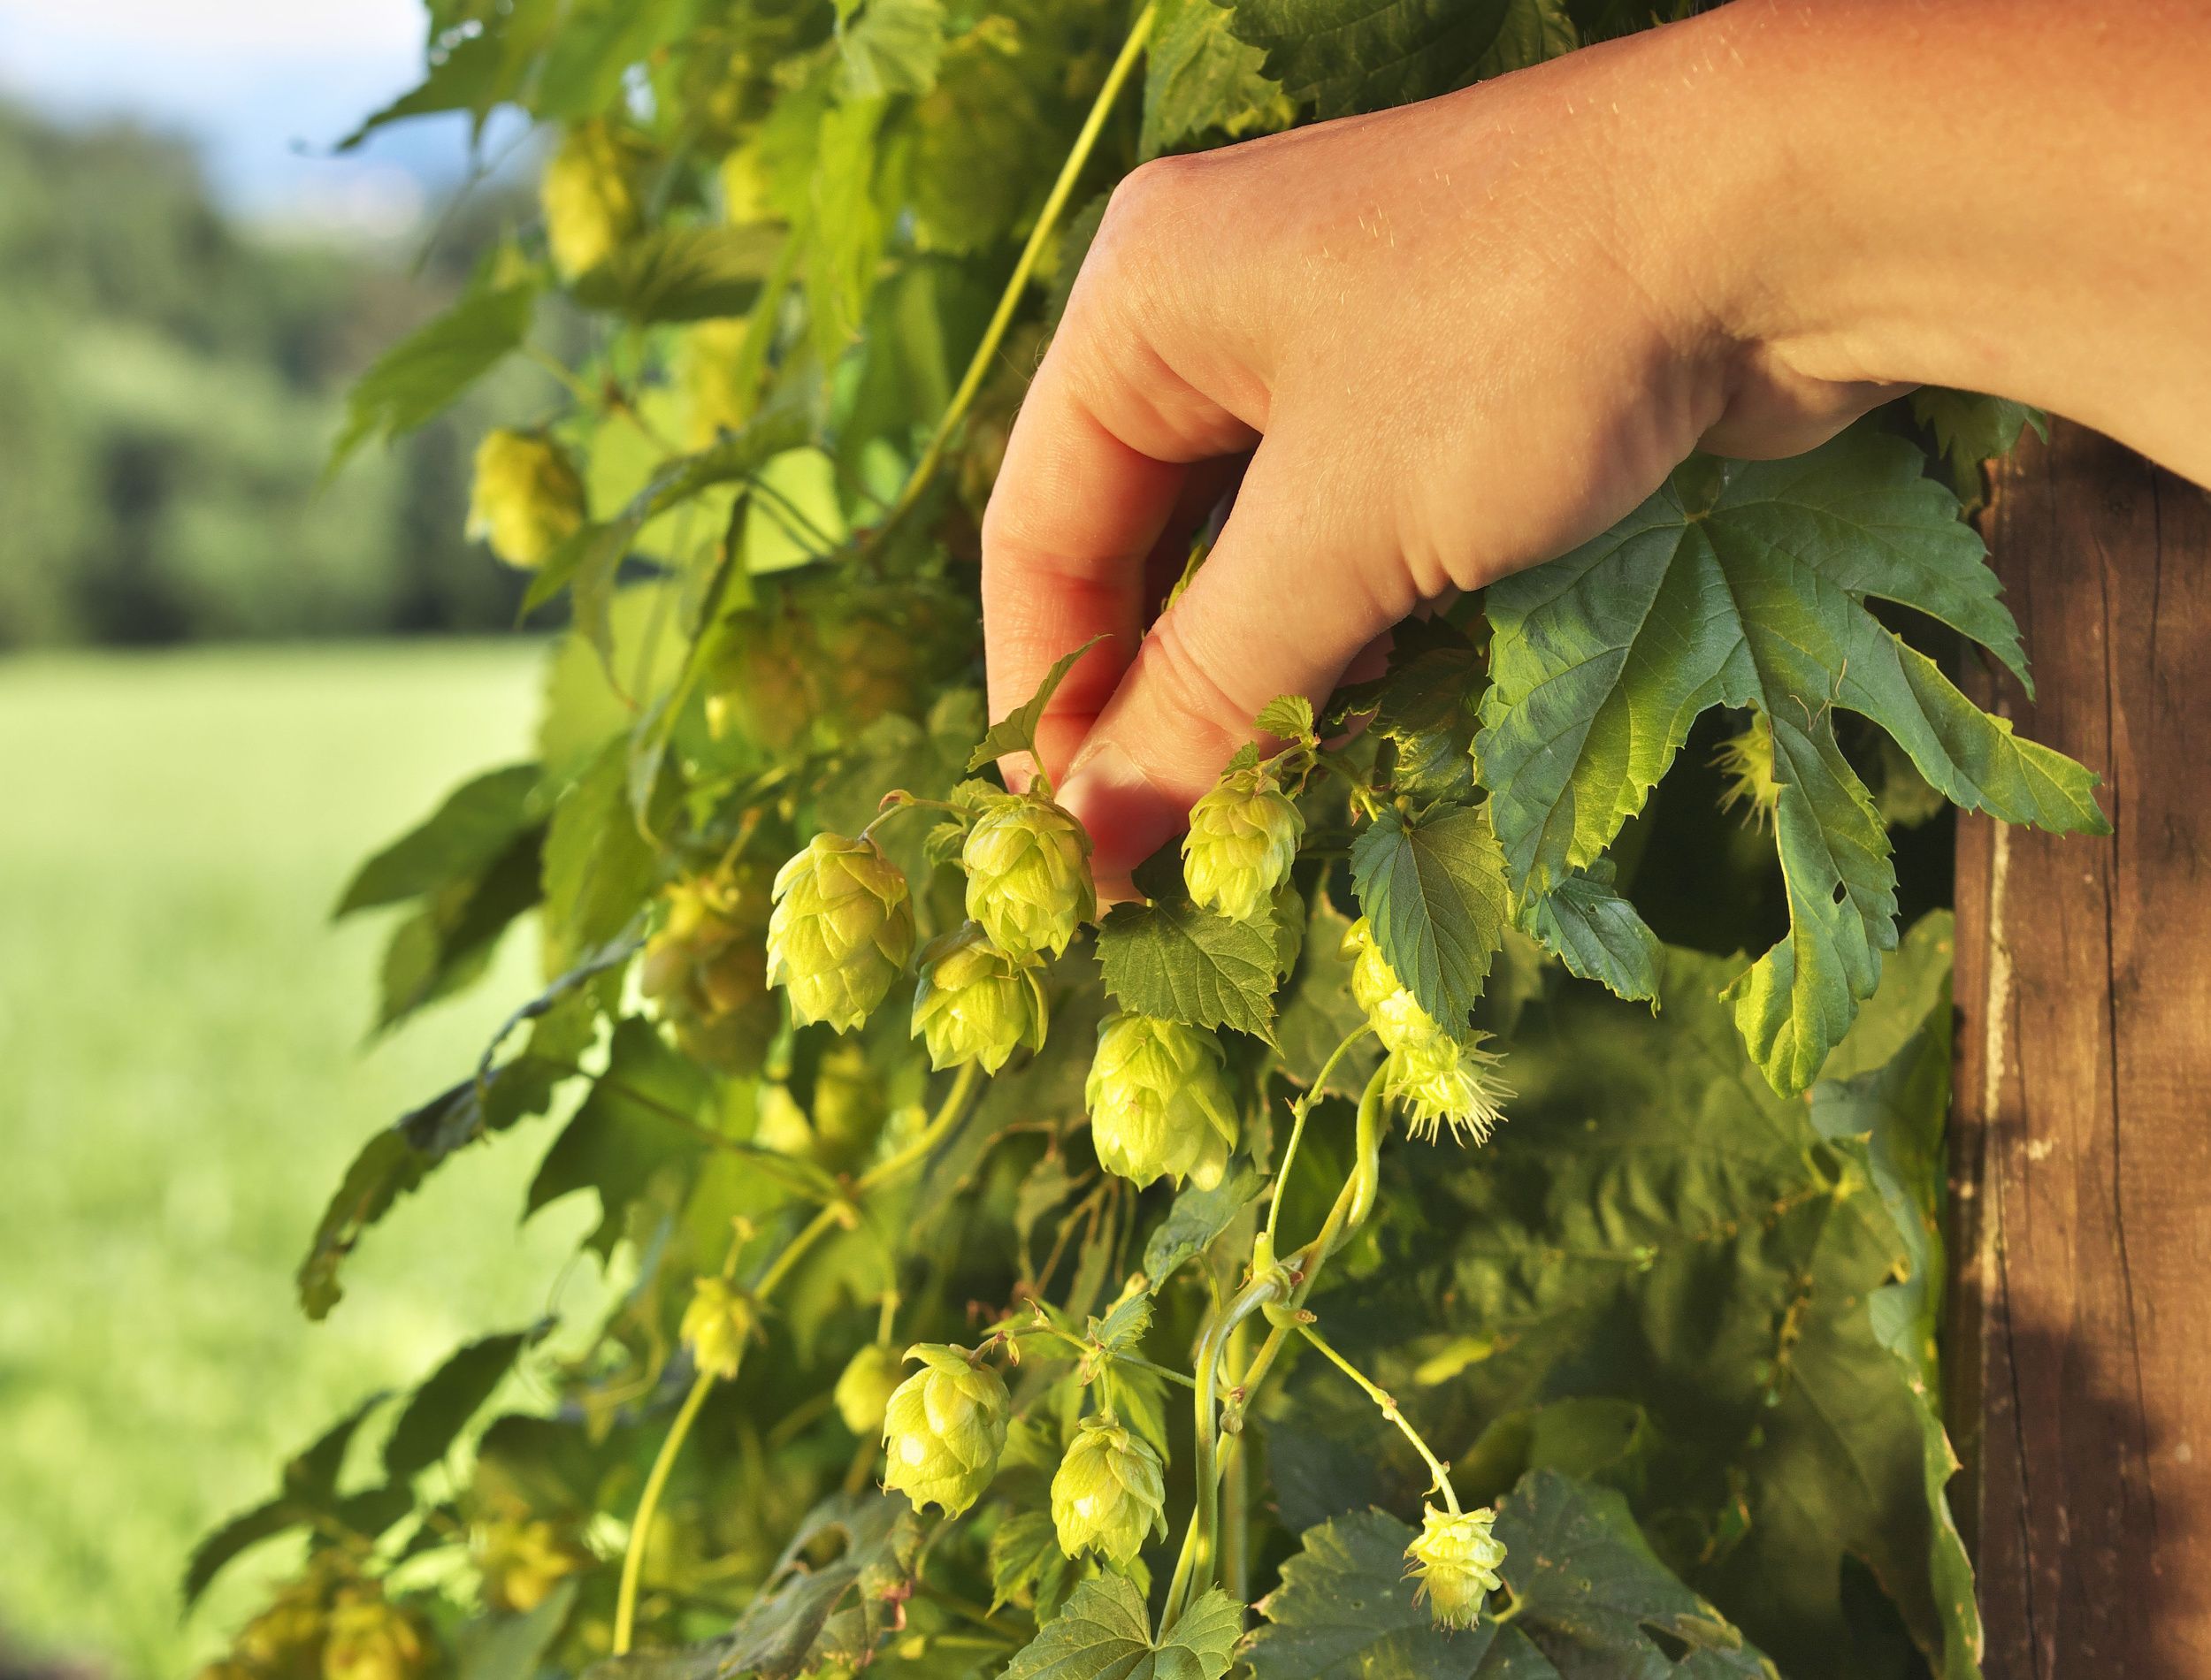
1460, 337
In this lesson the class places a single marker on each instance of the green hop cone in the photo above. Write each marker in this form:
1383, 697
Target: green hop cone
1158, 1100
943, 1429
841, 932
589, 195
1455, 1558
1028, 876
1441, 1082
717, 1325
521, 1560
525, 499
1108, 1493
976, 1004
1746, 762
863, 1391
1242, 839
372, 1638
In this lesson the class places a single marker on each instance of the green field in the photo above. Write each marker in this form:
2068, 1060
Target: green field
182, 1079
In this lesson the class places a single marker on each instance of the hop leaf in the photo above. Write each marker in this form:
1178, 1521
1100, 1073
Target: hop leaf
842, 930
864, 1389
976, 1003
1242, 839
1158, 1101
1108, 1493
372, 1638
589, 195
1455, 1558
944, 1428
717, 1325
1028, 876
526, 498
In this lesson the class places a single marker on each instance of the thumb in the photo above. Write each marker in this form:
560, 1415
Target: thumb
1283, 604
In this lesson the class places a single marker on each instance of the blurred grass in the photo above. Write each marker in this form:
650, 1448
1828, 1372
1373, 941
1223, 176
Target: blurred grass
182, 1080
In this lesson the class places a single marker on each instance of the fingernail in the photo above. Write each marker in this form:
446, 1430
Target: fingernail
1127, 815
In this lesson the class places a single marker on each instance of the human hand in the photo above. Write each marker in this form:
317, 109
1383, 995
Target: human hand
1455, 339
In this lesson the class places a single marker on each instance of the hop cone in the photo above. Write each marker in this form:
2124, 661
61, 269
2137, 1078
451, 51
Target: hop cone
976, 1004
1746, 762
717, 1325
521, 1561
708, 972
1455, 1558
864, 1390
842, 930
284, 1641
1444, 1082
372, 1638
1242, 839
943, 1429
1436, 1078
526, 500
589, 195
1028, 876
1159, 1103
1108, 1493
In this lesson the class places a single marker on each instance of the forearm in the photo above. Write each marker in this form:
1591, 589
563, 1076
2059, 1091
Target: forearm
2007, 195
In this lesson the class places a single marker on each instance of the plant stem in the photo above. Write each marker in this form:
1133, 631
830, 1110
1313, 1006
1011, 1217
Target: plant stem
1047, 219
1388, 1405
835, 1213
1298, 1109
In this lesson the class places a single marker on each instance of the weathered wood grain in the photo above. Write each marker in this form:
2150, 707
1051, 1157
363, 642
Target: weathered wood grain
2080, 1343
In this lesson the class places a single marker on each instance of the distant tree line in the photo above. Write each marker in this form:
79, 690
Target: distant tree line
170, 384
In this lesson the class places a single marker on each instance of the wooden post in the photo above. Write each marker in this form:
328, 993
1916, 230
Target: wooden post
2080, 1328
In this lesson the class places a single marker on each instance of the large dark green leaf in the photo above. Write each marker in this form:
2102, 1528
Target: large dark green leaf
1173, 960
1105, 1633
1433, 891
1200, 81
651, 1110
478, 821
440, 1408
1347, 55
425, 373
1745, 583
1596, 934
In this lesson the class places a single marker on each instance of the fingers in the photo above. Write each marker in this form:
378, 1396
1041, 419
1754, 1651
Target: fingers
1098, 463
1288, 596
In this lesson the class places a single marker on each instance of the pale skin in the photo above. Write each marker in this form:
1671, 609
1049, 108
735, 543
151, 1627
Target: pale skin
1455, 339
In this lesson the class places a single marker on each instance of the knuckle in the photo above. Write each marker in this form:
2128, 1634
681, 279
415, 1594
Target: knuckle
1188, 679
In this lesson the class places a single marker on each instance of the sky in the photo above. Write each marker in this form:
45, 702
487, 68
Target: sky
265, 87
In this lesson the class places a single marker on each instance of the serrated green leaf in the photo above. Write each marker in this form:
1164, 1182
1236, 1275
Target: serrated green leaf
1196, 1219
440, 1407
1200, 81
892, 47
1028, 1567
1016, 732
802, 1618
1744, 584
447, 944
1596, 934
1125, 1324
1970, 430
1345, 1611
683, 273
1350, 56
1105, 1633
1434, 893
426, 372
1288, 716
475, 823
307, 1488
1171, 960
598, 869
650, 1111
